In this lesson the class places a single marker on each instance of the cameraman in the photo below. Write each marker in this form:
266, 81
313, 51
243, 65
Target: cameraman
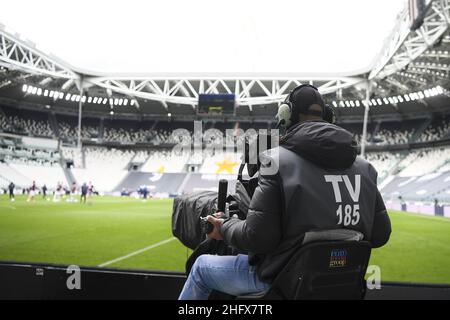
320, 184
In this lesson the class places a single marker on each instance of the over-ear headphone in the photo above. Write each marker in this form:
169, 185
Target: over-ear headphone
329, 115
286, 117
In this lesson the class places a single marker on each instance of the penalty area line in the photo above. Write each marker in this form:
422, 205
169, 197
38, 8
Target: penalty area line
107, 263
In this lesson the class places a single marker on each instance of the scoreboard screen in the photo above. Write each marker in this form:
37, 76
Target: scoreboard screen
216, 104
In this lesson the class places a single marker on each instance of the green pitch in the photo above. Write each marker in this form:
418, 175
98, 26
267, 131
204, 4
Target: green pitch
131, 233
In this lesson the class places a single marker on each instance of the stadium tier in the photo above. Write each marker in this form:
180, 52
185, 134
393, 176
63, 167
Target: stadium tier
122, 156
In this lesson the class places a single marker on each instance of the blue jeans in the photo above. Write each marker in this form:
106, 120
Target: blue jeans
228, 274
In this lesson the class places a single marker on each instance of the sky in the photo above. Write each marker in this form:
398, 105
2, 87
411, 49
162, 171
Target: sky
207, 36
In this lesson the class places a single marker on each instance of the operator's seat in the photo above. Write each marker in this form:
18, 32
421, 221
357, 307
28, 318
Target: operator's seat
323, 269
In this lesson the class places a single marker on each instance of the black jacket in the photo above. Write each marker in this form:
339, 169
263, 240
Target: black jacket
320, 184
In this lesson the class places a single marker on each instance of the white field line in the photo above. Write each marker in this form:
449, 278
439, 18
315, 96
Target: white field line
107, 263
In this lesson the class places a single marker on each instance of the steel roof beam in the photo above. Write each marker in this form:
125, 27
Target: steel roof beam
19, 55
186, 91
404, 46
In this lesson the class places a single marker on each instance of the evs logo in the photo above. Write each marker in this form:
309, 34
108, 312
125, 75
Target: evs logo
338, 258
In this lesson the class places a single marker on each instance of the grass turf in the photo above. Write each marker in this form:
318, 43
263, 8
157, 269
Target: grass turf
108, 228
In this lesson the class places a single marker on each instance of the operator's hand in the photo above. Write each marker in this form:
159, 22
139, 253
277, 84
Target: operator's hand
217, 223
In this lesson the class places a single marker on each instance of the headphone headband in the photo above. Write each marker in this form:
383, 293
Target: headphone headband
286, 116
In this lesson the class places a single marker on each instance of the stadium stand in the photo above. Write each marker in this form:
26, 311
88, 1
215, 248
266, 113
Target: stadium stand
118, 151
429, 187
165, 161
162, 132
423, 162
25, 159
104, 168
220, 163
15, 123
162, 184
438, 129
384, 162
199, 182
50, 175
9, 174
422, 175
73, 155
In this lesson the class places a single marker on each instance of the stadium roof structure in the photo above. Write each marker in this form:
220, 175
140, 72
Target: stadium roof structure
410, 61
111, 37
